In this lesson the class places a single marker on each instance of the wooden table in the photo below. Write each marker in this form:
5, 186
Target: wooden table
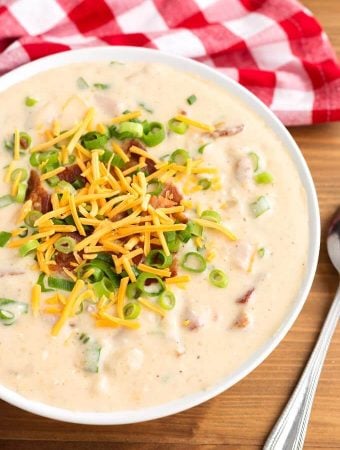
241, 417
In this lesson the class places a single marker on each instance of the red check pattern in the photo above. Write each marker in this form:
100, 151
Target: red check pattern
275, 48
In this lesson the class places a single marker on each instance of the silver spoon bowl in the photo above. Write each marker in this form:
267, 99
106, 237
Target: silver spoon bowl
290, 430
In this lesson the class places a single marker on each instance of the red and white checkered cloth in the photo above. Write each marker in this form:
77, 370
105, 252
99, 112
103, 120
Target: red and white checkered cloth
275, 48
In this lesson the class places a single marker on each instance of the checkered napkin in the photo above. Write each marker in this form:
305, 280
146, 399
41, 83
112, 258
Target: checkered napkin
275, 48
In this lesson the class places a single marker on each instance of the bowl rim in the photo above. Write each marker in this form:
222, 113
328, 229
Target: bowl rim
126, 54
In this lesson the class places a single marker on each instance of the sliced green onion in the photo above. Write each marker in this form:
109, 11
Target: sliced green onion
6, 200
191, 100
23, 174
205, 183
174, 246
28, 247
116, 161
202, 148
53, 181
93, 140
132, 291
131, 310
261, 252
25, 140
130, 130
84, 338
21, 194
104, 287
154, 289
157, 258
255, 160
192, 229
91, 357
154, 134
180, 157
35, 159
10, 310
155, 187
65, 186
78, 184
145, 107
60, 283
65, 244
82, 83
167, 300
193, 262
31, 218
24, 232
106, 269
177, 127
5, 236
218, 278
213, 216
263, 178
41, 281
260, 206
30, 101
101, 86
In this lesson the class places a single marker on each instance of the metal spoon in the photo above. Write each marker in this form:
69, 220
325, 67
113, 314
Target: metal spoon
290, 430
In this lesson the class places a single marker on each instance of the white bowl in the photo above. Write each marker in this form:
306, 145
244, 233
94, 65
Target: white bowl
187, 65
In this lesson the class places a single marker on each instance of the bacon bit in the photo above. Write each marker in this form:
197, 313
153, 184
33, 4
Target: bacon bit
170, 192
180, 217
134, 159
23, 143
173, 268
70, 174
245, 298
41, 199
161, 202
229, 131
242, 321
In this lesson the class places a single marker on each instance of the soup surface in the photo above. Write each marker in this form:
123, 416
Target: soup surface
241, 210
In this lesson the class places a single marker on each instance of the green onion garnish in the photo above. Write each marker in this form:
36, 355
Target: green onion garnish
131, 310
146, 108
65, 244
263, 178
255, 160
60, 283
21, 194
65, 186
31, 218
25, 140
202, 148
6, 317
205, 183
157, 258
154, 133
82, 83
5, 236
93, 140
213, 216
41, 281
35, 159
104, 287
6, 200
261, 252
30, 101
22, 172
167, 300
10, 310
192, 229
130, 130
180, 157
218, 278
193, 262
155, 187
28, 247
260, 206
177, 127
116, 161
132, 291
155, 288
102, 86
191, 100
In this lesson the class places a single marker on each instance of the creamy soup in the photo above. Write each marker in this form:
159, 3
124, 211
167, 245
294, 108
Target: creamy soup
157, 235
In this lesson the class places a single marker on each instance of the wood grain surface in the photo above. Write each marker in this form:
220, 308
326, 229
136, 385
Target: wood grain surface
242, 417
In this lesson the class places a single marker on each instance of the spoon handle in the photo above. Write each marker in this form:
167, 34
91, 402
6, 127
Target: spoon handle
290, 430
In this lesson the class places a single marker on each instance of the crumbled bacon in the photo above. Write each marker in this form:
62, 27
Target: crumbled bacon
170, 192
134, 159
71, 173
229, 131
245, 298
173, 268
161, 202
242, 320
41, 199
